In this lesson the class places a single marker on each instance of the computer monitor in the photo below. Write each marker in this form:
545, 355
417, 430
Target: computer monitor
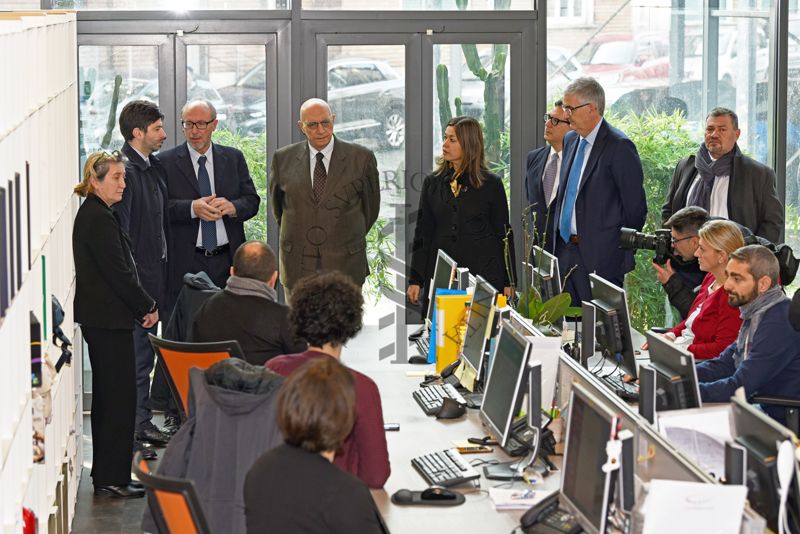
760, 435
545, 276
676, 376
585, 489
478, 329
444, 273
505, 384
613, 324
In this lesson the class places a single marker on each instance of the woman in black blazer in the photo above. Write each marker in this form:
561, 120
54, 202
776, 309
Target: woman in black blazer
463, 210
295, 487
108, 299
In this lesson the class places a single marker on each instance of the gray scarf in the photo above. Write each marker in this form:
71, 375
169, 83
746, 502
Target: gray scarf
709, 170
250, 287
751, 315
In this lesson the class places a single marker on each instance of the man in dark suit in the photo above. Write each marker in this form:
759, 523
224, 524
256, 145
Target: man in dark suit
247, 310
725, 182
325, 196
211, 195
541, 178
601, 191
143, 216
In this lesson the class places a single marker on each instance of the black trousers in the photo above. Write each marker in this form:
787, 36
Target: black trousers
113, 404
145, 357
218, 267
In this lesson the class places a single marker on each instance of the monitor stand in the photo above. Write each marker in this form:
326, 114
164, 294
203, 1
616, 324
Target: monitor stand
474, 400
418, 333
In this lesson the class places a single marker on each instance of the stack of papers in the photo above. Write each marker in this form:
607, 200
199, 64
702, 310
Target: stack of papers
674, 506
512, 499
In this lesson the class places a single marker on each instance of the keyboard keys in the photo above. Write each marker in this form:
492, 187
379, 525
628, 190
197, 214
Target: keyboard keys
445, 468
430, 398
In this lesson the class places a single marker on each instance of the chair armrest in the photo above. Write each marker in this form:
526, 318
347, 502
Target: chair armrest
774, 400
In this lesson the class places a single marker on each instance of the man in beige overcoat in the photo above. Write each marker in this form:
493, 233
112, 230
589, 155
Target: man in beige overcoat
325, 196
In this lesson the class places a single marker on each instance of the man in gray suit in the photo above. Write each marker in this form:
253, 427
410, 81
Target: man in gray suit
325, 197
725, 182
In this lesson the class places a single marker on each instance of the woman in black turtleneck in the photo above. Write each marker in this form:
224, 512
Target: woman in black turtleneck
463, 210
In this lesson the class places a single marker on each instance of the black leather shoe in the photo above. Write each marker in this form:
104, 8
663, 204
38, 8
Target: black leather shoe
152, 436
147, 453
136, 484
119, 492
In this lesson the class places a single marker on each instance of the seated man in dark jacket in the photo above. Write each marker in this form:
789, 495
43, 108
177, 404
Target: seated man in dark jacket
765, 359
247, 310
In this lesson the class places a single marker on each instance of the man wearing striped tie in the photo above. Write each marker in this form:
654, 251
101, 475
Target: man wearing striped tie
542, 171
600, 191
325, 197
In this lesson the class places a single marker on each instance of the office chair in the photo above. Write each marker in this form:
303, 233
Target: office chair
179, 357
174, 503
790, 405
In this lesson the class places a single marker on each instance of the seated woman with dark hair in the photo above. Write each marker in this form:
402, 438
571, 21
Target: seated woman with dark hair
326, 312
294, 487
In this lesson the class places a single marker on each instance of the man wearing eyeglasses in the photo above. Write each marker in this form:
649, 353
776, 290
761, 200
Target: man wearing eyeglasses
211, 195
600, 191
725, 182
325, 197
543, 169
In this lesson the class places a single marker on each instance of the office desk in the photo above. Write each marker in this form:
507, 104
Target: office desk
420, 434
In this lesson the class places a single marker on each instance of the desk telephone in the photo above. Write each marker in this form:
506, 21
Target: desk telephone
546, 517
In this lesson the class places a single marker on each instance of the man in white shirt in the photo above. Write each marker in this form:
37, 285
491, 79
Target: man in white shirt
325, 196
542, 171
725, 182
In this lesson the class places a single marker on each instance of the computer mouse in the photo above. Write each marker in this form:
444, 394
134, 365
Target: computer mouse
402, 496
450, 409
418, 359
437, 493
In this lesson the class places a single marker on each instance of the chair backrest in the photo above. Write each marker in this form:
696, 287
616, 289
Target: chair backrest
174, 503
179, 357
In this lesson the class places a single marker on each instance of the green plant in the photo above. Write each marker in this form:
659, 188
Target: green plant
661, 140
255, 154
380, 248
112, 113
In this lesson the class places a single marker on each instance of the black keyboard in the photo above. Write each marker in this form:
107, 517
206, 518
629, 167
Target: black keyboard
423, 344
430, 398
444, 468
626, 391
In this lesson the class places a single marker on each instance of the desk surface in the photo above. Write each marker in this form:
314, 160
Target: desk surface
420, 434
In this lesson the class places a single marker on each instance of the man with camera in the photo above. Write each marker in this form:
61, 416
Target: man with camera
725, 182
681, 281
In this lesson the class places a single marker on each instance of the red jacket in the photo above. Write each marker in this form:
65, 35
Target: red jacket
717, 325
364, 453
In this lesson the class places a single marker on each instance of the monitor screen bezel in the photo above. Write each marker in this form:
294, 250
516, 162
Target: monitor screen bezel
502, 434
480, 282
604, 290
675, 358
553, 273
441, 256
609, 416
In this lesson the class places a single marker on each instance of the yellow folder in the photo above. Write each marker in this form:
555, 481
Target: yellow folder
451, 315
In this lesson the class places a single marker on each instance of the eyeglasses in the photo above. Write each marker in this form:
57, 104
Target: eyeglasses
106, 155
201, 125
555, 120
676, 241
326, 124
570, 110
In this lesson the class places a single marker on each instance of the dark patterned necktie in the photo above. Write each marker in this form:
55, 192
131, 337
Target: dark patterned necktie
208, 229
320, 176
549, 179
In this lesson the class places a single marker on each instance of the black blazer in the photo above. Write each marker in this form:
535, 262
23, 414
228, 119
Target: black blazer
752, 199
290, 490
107, 289
260, 326
144, 215
535, 164
231, 180
470, 228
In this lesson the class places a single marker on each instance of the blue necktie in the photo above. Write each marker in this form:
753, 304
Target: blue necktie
564, 226
208, 228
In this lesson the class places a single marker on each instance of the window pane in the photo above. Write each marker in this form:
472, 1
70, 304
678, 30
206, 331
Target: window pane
110, 77
793, 139
460, 88
233, 78
177, 5
11, 5
423, 5
366, 92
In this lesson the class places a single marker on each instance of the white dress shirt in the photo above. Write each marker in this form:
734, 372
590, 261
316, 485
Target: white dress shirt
326, 159
590, 139
222, 235
554, 192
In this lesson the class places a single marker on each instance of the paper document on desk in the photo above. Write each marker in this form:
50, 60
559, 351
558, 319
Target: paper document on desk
512, 499
700, 434
676, 506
